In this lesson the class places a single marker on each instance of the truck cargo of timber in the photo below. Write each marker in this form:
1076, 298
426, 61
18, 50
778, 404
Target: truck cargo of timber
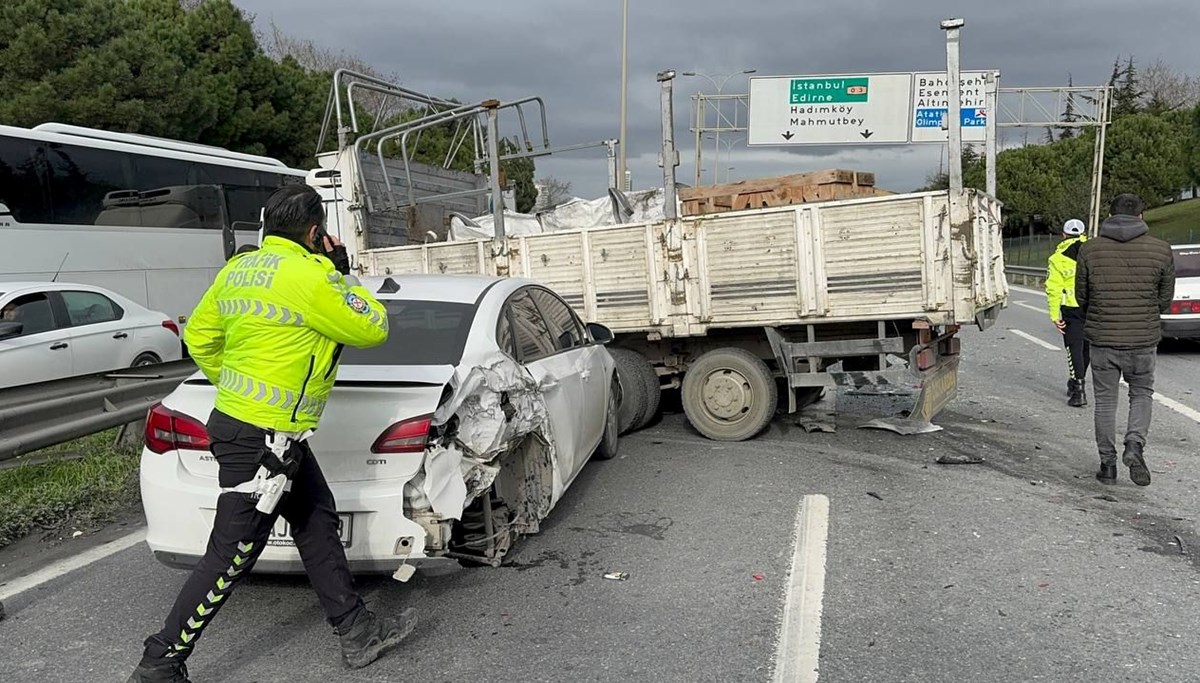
735, 306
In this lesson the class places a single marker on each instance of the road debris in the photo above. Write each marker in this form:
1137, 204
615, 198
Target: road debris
617, 576
758, 577
1107, 498
959, 460
820, 416
1182, 550
874, 495
902, 425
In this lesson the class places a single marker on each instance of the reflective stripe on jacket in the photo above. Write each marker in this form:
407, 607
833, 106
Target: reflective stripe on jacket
1060, 276
269, 332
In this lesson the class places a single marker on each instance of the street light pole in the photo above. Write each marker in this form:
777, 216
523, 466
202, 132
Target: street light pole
719, 86
624, 94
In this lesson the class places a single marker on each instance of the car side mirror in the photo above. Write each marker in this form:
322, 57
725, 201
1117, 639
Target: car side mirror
599, 333
8, 330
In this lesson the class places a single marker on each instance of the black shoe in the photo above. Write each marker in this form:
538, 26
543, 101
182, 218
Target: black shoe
370, 637
1107, 473
171, 672
1138, 472
1077, 397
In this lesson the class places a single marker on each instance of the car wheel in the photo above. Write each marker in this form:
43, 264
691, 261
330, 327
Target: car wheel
653, 390
145, 359
632, 407
729, 395
607, 450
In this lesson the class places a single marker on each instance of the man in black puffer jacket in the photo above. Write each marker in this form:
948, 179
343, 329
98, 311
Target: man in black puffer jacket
1124, 282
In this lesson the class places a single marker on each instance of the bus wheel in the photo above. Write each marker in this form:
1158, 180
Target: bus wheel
729, 395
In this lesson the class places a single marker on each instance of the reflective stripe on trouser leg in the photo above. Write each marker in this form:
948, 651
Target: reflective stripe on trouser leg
239, 535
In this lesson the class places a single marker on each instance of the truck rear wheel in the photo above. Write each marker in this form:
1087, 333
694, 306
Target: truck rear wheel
633, 392
653, 392
729, 395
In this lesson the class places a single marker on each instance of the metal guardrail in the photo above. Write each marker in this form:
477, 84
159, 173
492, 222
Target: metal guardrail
1027, 276
40, 415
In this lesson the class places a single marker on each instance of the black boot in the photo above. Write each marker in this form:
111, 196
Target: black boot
370, 637
1107, 473
1138, 472
1077, 397
171, 672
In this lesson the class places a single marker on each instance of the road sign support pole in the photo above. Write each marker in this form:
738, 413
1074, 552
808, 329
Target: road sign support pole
992, 88
954, 104
701, 118
670, 156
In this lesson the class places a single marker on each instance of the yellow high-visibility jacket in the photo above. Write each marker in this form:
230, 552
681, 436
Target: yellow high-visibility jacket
269, 333
1060, 276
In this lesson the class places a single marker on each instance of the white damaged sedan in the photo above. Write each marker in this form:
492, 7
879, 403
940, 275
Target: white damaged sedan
449, 441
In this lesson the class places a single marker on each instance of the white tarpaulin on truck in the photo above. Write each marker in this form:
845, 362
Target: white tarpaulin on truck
576, 214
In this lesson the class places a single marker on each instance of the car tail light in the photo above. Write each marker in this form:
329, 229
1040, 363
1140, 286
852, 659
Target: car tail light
410, 436
170, 325
167, 430
1185, 307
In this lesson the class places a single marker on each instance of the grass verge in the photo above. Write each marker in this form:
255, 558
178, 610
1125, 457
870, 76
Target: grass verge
79, 492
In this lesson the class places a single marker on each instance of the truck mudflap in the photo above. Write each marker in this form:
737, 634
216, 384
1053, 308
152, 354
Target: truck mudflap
930, 376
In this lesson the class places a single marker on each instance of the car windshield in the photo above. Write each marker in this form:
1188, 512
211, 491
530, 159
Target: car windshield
1187, 262
420, 333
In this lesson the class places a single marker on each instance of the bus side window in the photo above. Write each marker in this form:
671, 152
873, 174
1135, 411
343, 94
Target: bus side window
23, 186
82, 178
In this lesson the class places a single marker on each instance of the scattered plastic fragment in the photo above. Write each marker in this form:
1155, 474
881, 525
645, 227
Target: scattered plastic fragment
757, 577
617, 576
902, 426
959, 460
874, 495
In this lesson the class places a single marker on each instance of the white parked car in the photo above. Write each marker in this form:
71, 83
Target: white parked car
1183, 320
449, 441
52, 330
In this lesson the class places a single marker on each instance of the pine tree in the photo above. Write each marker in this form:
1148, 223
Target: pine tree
1126, 95
1069, 113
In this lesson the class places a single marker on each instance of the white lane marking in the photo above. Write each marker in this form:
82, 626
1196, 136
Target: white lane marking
1171, 403
1027, 290
70, 564
1031, 307
1035, 340
799, 650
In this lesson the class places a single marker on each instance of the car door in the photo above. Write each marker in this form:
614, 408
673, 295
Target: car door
41, 351
559, 379
101, 338
572, 341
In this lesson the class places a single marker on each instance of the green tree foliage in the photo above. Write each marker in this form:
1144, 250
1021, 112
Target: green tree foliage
519, 176
1193, 149
156, 68
1145, 155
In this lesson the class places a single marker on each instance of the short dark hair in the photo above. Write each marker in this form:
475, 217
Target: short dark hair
291, 211
1126, 205
246, 249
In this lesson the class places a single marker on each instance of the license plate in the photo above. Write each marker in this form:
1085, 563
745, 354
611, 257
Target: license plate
281, 534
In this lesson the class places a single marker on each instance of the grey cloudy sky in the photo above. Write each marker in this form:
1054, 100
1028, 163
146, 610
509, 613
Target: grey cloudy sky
568, 51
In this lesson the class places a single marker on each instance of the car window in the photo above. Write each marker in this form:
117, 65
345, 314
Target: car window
33, 311
419, 333
1187, 262
563, 328
90, 308
504, 335
531, 334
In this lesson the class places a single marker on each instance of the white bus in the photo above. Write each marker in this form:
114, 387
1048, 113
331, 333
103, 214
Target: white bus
149, 218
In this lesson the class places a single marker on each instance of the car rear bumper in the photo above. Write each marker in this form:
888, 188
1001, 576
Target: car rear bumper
180, 508
1181, 327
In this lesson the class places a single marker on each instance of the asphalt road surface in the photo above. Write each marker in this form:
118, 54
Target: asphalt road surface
1021, 568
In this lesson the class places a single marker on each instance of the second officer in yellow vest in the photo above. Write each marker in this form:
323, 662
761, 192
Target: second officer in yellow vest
1065, 313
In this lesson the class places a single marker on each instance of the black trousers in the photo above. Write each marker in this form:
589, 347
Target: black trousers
1079, 355
240, 532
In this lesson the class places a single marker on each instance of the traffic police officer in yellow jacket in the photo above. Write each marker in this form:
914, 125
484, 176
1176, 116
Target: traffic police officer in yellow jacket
268, 335
1065, 313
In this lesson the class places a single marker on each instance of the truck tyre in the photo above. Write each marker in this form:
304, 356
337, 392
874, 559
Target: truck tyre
633, 391
653, 390
729, 395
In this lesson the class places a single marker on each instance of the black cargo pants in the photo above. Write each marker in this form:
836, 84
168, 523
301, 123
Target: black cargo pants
240, 532
1079, 354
